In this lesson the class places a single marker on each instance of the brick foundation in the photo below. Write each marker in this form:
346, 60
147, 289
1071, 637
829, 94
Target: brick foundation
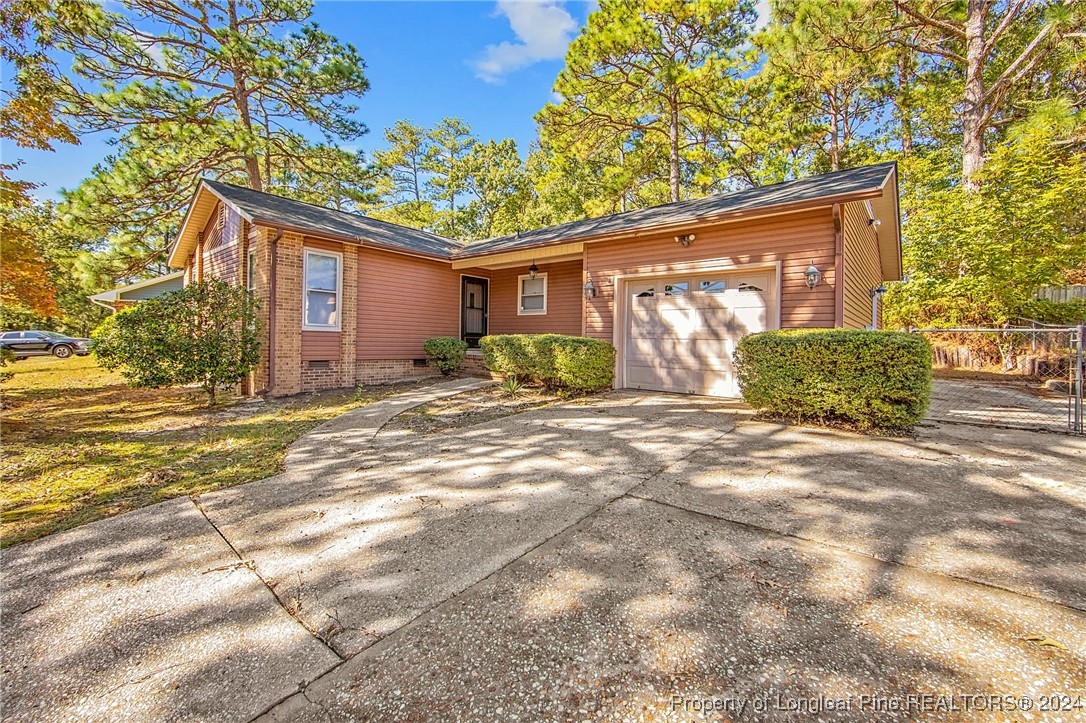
473, 366
321, 375
384, 371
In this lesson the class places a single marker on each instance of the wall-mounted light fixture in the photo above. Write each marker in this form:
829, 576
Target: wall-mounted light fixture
533, 270
686, 239
590, 290
874, 222
814, 276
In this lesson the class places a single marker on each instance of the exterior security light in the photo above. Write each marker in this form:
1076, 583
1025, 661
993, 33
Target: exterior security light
814, 276
533, 270
589, 290
685, 239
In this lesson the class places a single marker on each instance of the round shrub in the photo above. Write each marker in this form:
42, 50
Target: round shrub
445, 352
573, 363
872, 379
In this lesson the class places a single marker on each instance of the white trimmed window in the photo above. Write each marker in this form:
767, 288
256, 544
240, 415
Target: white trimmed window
323, 274
532, 295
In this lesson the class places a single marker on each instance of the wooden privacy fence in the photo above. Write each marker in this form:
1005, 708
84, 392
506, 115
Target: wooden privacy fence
1062, 294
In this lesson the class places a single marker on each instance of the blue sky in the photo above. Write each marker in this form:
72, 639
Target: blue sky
490, 63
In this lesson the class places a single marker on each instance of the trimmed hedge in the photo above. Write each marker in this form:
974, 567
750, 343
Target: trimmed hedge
874, 379
445, 352
573, 363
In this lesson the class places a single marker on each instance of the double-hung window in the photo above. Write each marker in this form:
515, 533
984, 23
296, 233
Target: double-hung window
323, 275
532, 295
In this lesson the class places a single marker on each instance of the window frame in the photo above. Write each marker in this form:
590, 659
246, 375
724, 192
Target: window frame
306, 326
521, 311
250, 262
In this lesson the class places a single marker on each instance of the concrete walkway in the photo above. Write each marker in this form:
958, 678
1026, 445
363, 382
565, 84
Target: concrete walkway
622, 559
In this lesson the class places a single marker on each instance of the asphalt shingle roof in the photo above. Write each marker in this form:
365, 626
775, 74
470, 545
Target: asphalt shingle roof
812, 188
270, 208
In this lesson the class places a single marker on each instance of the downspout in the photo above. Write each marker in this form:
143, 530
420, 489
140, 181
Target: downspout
876, 297
273, 250
838, 267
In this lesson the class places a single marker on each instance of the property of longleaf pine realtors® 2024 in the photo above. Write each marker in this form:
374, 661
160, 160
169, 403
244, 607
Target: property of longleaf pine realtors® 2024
911, 703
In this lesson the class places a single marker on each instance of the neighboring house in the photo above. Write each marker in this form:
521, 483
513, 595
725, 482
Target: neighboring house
347, 299
122, 296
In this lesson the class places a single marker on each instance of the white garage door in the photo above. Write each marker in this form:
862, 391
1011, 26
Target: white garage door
681, 331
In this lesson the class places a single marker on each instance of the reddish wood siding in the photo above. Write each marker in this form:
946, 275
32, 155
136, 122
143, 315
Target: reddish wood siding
564, 301
863, 271
320, 345
221, 246
402, 302
794, 239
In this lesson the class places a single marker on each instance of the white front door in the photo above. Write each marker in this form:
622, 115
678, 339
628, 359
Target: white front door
681, 331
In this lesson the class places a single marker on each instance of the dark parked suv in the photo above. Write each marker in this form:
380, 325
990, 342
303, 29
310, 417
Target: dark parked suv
43, 343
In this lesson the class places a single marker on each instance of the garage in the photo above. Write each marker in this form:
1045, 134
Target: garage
681, 330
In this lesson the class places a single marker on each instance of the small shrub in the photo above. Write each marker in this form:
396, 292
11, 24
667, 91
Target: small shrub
445, 352
511, 387
555, 361
204, 334
873, 379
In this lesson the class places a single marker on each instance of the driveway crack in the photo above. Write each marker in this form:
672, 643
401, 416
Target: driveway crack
248, 564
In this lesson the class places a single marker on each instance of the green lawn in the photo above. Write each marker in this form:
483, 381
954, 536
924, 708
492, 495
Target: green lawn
79, 445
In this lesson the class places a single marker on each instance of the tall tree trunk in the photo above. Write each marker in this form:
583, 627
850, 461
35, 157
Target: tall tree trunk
835, 136
904, 99
241, 100
622, 165
973, 115
673, 144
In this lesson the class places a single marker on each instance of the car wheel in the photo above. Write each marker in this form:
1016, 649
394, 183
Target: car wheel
60, 351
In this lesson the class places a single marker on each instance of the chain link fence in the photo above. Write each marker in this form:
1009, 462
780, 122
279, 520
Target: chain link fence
1019, 377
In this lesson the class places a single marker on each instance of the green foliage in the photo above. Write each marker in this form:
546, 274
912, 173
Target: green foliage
7, 356
826, 70
977, 257
555, 361
445, 352
873, 379
1064, 313
218, 88
651, 82
205, 334
512, 387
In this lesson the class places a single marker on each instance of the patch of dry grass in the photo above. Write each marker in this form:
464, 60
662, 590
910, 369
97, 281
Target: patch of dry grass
79, 445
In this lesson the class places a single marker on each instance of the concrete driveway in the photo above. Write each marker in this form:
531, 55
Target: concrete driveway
634, 557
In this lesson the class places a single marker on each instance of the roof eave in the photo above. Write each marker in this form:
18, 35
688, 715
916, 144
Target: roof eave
737, 215
343, 238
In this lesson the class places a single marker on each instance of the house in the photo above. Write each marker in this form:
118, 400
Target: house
348, 299
122, 296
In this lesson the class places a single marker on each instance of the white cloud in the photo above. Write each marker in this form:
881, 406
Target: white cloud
543, 29
762, 8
